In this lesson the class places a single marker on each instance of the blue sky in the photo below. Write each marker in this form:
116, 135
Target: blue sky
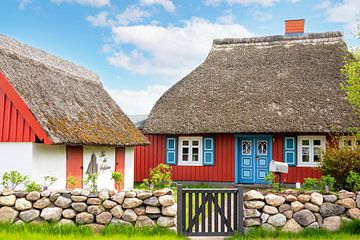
140, 48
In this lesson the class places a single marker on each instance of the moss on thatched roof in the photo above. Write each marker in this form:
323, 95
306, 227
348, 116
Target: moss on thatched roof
260, 85
67, 100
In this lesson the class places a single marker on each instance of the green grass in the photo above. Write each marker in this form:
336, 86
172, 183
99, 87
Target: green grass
69, 232
348, 231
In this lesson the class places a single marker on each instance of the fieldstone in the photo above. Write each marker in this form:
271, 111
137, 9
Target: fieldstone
268, 227
29, 215
345, 194
8, 201
85, 193
253, 195
144, 195
52, 214
38, 221
277, 220
45, 193
169, 211
7, 214
33, 196
330, 198
314, 225
132, 202
19, 221
345, 219
78, 198
274, 200
130, 194
119, 221
152, 210
254, 204
97, 228
79, 206
144, 221
76, 191
290, 198
319, 219
304, 217
292, 226
95, 209
296, 206
66, 222
358, 200
288, 214
284, 207
112, 192
93, 195
166, 200
312, 207
140, 210
65, 194
6, 192
117, 211
270, 210
166, 221
251, 213
93, 201
108, 204
332, 223
119, 197
264, 217
104, 218
353, 213
42, 203
129, 215
69, 213
316, 198
303, 198
104, 195
84, 218
63, 202
154, 216
346, 203
54, 196
20, 194
22, 204
330, 209
162, 192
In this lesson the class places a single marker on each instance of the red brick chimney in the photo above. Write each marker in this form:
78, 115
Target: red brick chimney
294, 27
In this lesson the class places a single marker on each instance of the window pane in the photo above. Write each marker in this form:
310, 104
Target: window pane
185, 157
195, 143
246, 147
305, 142
195, 150
317, 154
305, 150
262, 147
317, 142
195, 158
186, 150
305, 158
185, 143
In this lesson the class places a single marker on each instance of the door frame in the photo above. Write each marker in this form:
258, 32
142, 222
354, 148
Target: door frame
237, 160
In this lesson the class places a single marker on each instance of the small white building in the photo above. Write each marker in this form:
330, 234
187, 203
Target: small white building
55, 117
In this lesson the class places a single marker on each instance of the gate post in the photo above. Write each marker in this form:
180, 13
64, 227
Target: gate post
240, 215
179, 210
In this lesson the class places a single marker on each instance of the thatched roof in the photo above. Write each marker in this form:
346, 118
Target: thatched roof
260, 85
67, 100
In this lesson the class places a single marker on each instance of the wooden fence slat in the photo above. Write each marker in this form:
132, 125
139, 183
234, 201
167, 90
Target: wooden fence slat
190, 222
229, 228
216, 220
210, 216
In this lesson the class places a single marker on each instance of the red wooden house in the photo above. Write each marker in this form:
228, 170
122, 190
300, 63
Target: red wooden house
251, 101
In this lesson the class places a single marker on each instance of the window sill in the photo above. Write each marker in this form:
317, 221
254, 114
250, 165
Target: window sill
309, 165
189, 164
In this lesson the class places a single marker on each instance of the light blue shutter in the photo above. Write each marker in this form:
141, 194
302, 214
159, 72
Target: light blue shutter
171, 151
208, 151
290, 150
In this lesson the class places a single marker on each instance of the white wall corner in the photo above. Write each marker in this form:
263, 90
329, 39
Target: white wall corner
129, 168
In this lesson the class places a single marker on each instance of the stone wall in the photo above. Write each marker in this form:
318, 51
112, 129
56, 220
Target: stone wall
139, 208
295, 210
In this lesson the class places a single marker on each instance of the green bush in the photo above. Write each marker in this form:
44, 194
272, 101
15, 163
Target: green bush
328, 182
12, 179
353, 181
311, 183
160, 177
32, 186
118, 178
338, 163
71, 182
91, 181
49, 180
271, 179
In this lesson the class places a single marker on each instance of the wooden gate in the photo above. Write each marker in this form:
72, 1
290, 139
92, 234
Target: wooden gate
209, 212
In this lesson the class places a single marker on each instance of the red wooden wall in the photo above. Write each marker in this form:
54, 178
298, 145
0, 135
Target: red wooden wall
147, 157
120, 163
13, 126
74, 164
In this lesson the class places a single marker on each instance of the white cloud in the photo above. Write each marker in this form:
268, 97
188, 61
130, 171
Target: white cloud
99, 20
169, 52
227, 18
346, 12
132, 14
294, 1
213, 3
260, 15
168, 5
92, 3
264, 3
138, 101
23, 4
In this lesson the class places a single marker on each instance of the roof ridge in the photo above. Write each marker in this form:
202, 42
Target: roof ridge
279, 39
48, 59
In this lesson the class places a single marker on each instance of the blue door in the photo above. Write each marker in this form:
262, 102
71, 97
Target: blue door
254, 156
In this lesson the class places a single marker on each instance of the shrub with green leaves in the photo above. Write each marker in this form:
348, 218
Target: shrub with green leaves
160, 177
311, 183
338, 163
271, 179
91, 181
71, 182
118, 179
327, 183
353, 181
12, 179
49, 180
32, 186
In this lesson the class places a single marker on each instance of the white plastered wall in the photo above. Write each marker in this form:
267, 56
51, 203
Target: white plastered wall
129, 168
105, 167
49, 160
15, 156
